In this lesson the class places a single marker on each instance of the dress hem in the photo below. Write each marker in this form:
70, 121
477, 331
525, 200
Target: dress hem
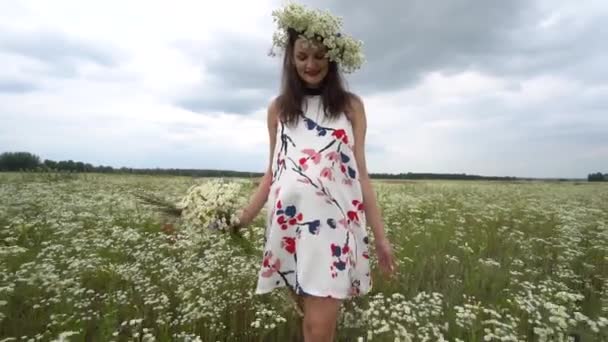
260, 291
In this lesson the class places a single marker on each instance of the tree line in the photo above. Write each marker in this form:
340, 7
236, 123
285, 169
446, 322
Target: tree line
25, 161
597, 177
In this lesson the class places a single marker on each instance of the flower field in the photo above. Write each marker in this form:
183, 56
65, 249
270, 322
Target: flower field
82, 259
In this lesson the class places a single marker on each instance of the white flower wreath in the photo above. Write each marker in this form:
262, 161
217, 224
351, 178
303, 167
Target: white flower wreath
321, 26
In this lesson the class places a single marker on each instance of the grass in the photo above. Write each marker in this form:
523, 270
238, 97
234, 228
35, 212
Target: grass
512, 261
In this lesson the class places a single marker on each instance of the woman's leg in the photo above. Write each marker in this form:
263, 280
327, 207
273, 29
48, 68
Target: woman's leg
320, 317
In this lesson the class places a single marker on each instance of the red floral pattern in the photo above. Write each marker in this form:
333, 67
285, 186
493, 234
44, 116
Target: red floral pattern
317, 216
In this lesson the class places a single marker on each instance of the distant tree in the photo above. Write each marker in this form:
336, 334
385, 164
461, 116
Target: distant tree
50, 164
79, 166
105, 169
63, 165
597, 177
27, 161
16, 161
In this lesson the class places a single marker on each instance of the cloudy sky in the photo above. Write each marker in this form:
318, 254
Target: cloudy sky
503, 88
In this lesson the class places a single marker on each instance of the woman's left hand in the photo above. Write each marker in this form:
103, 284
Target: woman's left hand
386, 259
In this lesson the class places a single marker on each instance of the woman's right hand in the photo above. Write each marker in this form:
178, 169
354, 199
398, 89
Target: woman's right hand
241, 223
386, 260
235, 228
260, 196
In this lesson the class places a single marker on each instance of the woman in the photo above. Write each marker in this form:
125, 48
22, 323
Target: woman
316, 183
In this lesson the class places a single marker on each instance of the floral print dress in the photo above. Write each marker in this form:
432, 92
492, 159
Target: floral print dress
315, 240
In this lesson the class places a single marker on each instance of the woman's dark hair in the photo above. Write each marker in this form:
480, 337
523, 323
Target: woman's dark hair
293, 89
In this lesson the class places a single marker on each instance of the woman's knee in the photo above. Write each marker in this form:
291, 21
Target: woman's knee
318, 330
320, 317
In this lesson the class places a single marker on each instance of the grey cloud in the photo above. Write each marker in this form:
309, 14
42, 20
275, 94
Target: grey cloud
224, 101
507, 132
242, 78
575, 134
54, 47
15, 86
405, 39
573, 51
59, 52
374, 148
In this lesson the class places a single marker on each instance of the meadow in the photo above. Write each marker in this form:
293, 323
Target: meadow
81, 259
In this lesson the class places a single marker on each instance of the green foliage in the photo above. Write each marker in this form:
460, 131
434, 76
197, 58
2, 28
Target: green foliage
476, 261
597, 177
18, 161
29, 162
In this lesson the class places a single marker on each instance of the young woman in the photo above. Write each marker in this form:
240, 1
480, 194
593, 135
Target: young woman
317, 187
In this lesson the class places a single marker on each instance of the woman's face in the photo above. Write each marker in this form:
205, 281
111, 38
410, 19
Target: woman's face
310, 62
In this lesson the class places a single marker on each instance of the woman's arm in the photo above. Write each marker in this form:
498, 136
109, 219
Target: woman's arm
370, 204
260, 196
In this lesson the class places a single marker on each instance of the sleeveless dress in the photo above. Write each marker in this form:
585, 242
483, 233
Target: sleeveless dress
315, 239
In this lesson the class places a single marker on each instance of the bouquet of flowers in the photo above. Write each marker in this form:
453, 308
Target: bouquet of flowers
207, 209
214, 206
211, 207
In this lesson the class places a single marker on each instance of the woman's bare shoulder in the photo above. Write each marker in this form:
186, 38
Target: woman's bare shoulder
354, 106
274, 109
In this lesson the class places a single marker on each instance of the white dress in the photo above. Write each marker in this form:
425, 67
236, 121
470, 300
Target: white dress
316, 240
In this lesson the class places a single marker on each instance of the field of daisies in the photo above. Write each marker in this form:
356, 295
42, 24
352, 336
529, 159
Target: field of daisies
83, 259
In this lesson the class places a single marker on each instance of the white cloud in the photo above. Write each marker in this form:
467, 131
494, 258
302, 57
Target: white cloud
126, 109
470, 122
114, 98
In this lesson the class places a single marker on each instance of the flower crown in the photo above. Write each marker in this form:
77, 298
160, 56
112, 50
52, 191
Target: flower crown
321, 26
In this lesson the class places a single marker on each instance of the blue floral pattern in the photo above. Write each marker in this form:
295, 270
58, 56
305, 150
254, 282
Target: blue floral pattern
316, 240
